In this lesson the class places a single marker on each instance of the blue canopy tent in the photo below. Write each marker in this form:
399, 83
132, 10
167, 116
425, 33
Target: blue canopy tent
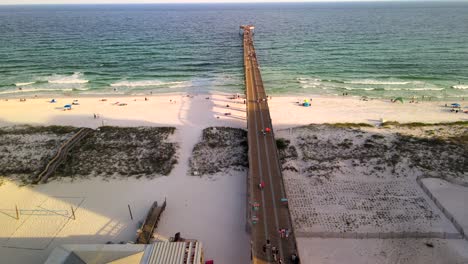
455, 105
67, 107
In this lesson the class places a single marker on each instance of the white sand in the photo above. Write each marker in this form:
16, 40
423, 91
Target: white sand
452, 197
211, 210
382, 251
158, 111
285, 111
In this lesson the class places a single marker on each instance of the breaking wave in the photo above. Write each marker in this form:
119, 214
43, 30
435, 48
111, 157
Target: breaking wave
24, 84
39, 90
144, 83
75, 78
461, 87
376, 82
365, 89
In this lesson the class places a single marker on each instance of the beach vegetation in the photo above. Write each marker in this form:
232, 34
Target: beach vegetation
325, 151
349, 125
122, 151
282, 143
220, 149
420, 124
25, 150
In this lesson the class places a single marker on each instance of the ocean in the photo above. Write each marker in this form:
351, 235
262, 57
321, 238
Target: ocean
380, 50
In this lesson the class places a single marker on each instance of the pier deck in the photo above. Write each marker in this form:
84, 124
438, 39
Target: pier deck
272, 214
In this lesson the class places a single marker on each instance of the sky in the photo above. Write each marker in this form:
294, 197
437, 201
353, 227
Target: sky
18, 2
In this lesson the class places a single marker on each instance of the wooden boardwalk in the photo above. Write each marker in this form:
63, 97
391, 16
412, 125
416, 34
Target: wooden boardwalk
60, 156
272, 213
146, 231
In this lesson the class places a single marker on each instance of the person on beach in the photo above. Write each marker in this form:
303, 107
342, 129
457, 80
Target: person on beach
94, 116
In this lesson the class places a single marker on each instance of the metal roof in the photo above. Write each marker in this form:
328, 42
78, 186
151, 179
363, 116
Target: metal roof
173, 253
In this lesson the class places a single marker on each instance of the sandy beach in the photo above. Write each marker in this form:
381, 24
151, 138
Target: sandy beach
210, 209
204, 110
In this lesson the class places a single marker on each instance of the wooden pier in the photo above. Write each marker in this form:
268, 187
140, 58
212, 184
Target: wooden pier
145, 234
268, 209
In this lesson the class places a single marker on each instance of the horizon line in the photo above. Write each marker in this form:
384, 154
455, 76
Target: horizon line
166, 2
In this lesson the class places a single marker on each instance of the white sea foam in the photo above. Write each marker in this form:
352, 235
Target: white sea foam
365, 89
75, 78
39, 90
426, 89
376, 82
310, 83
461, 87
308, 80
143, 83
24, 84
415, 89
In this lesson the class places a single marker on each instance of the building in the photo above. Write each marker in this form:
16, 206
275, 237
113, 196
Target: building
189, 252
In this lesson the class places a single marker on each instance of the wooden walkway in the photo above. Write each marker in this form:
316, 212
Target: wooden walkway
151, 222
272, 213
60, 156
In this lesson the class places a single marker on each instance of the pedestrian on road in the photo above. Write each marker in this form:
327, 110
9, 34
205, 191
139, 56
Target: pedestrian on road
264, 248
282, 232
274, 251
261, 185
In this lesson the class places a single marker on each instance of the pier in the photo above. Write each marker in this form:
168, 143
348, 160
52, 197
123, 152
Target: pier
268, 212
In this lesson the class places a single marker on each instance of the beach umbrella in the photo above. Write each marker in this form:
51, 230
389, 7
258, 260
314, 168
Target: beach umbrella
456, 105
399, 99
67, 106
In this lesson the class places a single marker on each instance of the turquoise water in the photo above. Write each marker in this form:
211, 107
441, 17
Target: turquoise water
373, 49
